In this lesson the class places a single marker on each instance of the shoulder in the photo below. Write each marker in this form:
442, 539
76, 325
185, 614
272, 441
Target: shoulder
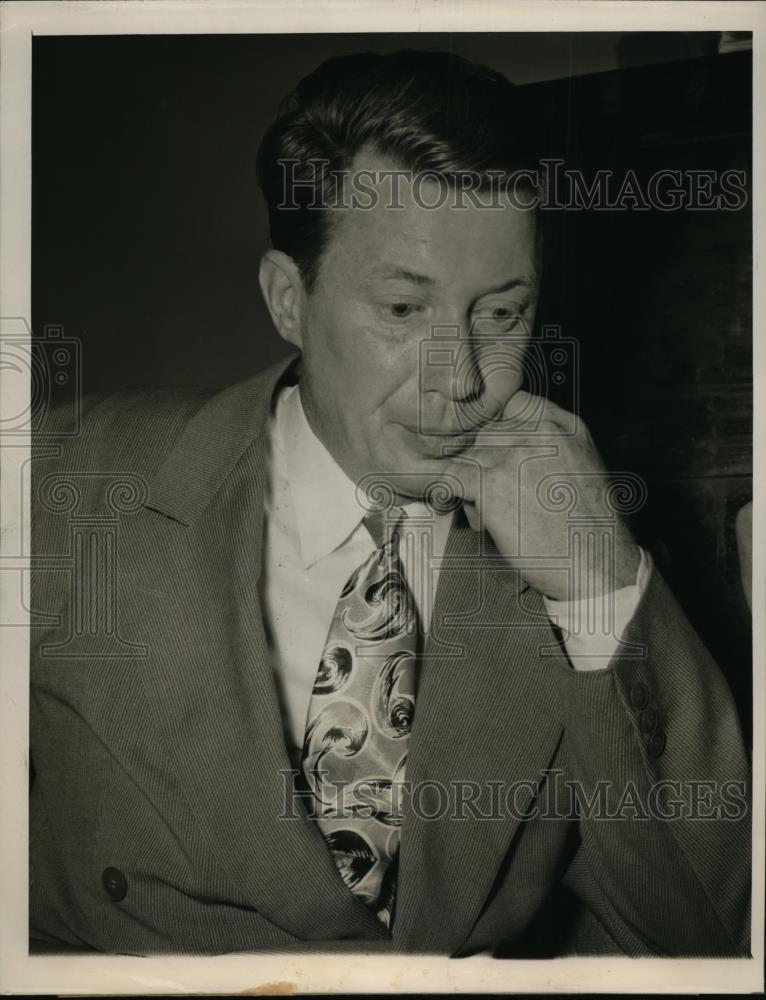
141, 411
133, 435
130, 426
111, 441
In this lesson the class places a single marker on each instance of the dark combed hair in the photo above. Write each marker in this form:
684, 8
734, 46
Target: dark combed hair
427, 111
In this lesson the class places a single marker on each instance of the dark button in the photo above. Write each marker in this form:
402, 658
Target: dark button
656, 744
650, 720
639, 695
115, 883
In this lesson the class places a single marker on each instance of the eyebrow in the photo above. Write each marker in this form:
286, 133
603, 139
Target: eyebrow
524, 281
402, 274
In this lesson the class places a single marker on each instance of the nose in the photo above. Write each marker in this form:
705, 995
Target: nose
449, 372
467, 376
500, 360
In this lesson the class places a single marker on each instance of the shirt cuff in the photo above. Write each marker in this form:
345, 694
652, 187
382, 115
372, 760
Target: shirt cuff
592, 627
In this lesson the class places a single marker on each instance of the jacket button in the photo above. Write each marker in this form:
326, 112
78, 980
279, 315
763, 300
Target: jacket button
650, 721
115, 883
639, 695
656, 744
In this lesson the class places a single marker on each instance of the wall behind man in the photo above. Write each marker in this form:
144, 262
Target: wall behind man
147, 225
660, 304
147, 229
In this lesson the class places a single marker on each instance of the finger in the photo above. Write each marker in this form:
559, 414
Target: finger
525, 416
466, 471
520, 406
562, 418
526, 409
540, 415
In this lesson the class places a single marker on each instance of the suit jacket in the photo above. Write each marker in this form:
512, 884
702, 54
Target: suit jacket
160, 816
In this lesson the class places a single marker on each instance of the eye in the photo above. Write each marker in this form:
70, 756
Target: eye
401, 310
398, 311
502, 317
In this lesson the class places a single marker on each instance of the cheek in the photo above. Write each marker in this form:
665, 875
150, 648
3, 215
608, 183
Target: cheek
393, 374
378, 367
367, 373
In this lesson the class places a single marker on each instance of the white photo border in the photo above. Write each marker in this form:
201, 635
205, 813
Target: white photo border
291, 972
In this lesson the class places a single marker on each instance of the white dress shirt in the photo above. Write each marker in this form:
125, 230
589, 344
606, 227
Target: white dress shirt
314, 538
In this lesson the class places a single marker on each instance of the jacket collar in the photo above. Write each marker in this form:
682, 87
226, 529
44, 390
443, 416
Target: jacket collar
213, 442
485, 718
209, 674
483, 713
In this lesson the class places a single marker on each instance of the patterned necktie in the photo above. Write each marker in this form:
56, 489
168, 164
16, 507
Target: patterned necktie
359, 720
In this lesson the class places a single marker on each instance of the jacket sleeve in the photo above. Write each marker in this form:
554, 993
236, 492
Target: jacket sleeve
657, 772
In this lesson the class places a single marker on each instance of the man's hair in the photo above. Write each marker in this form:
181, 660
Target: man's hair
427, 111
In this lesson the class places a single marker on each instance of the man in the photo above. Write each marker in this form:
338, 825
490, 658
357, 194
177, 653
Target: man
358, 654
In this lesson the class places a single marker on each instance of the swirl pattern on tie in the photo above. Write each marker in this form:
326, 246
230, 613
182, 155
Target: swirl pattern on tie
358, 726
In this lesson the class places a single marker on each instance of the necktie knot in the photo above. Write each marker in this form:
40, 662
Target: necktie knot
382, 524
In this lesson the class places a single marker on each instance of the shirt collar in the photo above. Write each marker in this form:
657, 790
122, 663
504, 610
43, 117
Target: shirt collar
323, 497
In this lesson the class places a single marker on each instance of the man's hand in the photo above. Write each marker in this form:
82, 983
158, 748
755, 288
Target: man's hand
543, 495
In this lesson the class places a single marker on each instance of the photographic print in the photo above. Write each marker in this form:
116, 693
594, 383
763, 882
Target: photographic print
378, 432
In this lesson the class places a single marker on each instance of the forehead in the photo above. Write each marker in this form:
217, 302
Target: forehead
424, 226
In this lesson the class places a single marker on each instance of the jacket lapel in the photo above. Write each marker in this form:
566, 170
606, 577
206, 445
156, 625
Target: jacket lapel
214, 690
485, 712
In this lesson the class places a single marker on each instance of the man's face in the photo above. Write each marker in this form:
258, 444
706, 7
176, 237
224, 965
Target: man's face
414, 331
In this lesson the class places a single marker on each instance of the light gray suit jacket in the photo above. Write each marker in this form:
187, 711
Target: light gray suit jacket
160, 759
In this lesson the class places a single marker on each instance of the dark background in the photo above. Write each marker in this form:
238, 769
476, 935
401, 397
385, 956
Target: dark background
147, 229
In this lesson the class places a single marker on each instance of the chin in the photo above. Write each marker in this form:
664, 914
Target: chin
416, 477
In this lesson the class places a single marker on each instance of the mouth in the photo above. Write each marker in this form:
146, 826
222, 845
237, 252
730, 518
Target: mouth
442, 443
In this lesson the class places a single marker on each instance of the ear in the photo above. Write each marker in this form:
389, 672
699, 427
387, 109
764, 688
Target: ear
284, 294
